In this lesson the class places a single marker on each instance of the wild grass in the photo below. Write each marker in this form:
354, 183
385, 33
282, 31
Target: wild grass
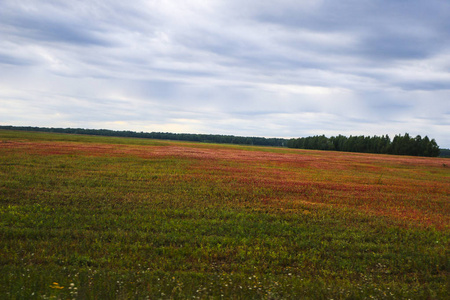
85, 217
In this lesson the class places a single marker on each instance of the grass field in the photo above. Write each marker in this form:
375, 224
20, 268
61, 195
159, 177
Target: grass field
85, 217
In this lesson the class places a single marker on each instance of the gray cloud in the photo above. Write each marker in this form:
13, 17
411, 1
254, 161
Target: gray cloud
14, 60
258, 68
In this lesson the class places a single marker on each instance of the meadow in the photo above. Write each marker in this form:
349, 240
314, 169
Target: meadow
84, 217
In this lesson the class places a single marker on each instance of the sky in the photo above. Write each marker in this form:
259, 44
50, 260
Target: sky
285, 68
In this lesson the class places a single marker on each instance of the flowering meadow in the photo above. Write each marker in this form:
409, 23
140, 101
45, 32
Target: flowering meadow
85, 217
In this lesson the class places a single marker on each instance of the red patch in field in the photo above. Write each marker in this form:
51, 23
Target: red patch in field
399, 187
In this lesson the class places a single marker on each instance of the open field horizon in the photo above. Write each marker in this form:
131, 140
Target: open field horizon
131, 218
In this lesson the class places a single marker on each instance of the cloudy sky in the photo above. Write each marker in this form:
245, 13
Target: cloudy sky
285, 68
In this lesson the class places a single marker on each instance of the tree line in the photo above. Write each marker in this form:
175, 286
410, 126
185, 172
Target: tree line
400, 145
192, 137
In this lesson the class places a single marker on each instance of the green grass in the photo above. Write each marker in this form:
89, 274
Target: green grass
117, 225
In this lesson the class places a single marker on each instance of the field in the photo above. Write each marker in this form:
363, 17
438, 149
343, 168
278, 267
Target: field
85, 217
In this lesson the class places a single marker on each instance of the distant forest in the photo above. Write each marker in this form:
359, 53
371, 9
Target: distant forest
400, 145
205, 138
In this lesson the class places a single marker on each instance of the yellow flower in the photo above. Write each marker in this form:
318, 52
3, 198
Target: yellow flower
56, 285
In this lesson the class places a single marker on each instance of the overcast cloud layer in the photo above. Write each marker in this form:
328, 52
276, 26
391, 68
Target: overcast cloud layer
286, 68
